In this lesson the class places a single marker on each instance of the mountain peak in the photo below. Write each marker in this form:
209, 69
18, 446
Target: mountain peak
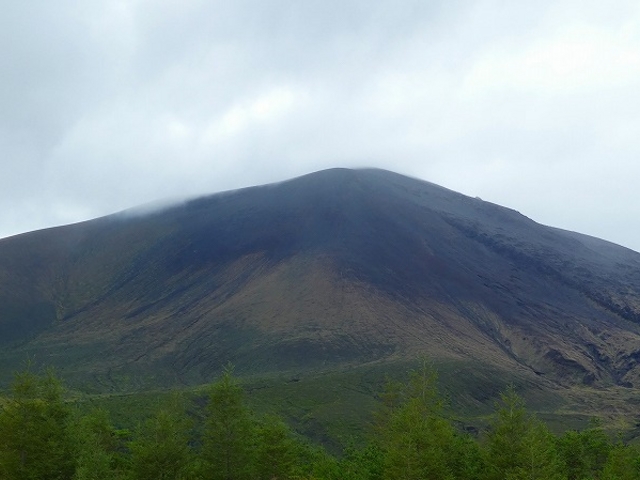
335, 268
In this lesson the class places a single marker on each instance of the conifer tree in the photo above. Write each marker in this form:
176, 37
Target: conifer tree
229, 439
623, 463
366, 463
276, 450
519, 446
584, 454
505, 445
160, 449
417, 441
34, 439
96, 448
315, 463
467, 461
541, 458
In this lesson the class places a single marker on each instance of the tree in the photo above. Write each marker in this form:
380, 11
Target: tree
519, 446
160, 449
365, 463
97, 447
467, 462
541, 458
34, 439
276, 450
417, 441
315, 463
229, 439
584, 453
623, 463
505, 445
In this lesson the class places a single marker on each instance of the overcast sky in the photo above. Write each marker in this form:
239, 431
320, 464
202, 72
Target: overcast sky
535, 105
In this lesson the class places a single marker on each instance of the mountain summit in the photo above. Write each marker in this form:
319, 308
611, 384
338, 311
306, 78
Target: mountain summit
333, 269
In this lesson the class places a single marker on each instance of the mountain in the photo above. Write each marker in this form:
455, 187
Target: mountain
334, 269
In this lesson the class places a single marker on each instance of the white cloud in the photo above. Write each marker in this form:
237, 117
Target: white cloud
266, 109
581, 59
106, 105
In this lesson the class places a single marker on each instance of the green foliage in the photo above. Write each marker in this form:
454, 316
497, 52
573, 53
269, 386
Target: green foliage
505, 443
541, 460
623, 463
40, 438
519, 446
314, 463
98, 447
466, 459
276, 450
230, 434
584, 453
160, 449
416, 440
34, 441
365, 463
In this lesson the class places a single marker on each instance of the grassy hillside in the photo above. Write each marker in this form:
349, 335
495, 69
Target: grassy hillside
337, 273
337, 407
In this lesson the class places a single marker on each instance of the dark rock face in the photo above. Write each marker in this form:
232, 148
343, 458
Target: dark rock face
339, 267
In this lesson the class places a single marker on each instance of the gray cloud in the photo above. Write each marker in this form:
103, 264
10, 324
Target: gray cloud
108, 105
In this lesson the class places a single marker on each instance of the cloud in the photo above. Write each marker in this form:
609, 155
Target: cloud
110, 104
581, 59
267, 109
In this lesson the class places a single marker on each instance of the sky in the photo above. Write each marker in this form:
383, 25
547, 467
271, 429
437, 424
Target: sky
534, 105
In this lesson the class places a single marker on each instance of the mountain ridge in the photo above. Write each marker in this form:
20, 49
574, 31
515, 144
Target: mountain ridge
329, 270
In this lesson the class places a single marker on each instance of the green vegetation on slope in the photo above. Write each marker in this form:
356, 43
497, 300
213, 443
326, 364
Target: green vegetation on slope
411, 437
334, 408
328, 271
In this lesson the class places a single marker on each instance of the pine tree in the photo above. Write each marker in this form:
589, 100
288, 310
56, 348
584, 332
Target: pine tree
97, 447
466, 461
416, 440
160, 449
623, 463
229, 439
583, 454
541, 458
315, 463
505, 446
34, 439
519, 446
366, 463
276, 450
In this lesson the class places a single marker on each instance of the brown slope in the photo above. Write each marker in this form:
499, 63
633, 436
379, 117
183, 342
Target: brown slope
332, 269
296, 315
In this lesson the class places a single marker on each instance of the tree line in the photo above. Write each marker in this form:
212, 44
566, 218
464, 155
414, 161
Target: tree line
42, 437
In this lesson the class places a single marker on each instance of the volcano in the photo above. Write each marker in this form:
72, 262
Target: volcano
331, 270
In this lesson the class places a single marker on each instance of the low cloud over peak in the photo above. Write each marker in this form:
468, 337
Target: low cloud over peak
109, 105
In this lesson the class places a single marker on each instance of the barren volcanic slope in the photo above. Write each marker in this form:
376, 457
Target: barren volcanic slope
336, 268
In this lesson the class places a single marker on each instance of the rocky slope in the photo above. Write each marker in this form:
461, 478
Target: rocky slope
330, 270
